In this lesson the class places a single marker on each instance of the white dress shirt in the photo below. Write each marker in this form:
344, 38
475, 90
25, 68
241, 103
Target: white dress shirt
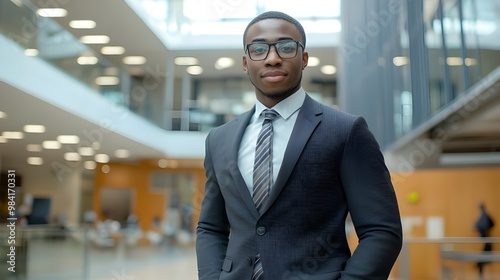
288, 110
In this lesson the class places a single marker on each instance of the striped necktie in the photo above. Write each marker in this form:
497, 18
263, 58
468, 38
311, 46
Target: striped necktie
262, 170
263, 174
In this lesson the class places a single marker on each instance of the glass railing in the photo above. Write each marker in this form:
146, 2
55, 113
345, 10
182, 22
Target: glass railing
45, 39
448, 258
457, 51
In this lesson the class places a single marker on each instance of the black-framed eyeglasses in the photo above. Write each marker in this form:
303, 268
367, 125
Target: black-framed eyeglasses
260, 50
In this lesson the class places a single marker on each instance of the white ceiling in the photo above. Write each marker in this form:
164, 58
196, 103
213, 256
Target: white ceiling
22, 108
116, 19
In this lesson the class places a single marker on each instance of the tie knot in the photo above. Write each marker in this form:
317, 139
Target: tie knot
269, 114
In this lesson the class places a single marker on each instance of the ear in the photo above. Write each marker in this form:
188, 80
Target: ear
245, 65
305, 59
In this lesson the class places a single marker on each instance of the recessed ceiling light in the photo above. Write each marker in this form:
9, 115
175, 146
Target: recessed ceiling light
105, 168
113, 50
185, 60
86, 151
52, 12
223, 63
102, 158
72, 156
31, 52
107, 81
34, 128
328, 69
313, 61
122, 153
3, 115
87, 60
90, 165
68, 139
454, 61
470, 61
163, 163
35, 160
194, 70
134, 60
400, 60
82, 24
34, 148
13, 135
94, 39
51, 145
3, 139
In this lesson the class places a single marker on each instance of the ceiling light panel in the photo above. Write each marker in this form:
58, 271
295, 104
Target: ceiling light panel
68, 139
82, 24
134, 60
94, 39
102, 158
313, 61
31, 52
3, 115
52, 12
87, 60
185, 60
194, 70
89, 165
400, 60
51, 145
3, 139
34, 160
223, 63
113, 50
107, 81
13, 135
328, 69
34, 128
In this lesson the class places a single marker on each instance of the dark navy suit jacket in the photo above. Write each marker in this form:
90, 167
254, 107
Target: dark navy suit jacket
332, 165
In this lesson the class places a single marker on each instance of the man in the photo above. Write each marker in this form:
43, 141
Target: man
325, 164
484, 225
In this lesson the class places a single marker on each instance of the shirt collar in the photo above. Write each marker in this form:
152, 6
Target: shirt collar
286, 107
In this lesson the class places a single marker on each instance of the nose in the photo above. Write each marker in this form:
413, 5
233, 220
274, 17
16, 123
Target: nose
273, 58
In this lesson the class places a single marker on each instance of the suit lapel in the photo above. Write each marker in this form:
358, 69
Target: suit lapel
310, 115
236, 131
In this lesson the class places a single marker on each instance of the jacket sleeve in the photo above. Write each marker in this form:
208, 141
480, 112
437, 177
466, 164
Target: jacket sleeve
212, 234
372, 204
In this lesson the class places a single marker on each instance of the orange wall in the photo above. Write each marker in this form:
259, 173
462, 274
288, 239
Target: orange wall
454, 195
145, 204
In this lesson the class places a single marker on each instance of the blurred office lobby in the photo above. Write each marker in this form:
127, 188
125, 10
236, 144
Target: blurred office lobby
105, 106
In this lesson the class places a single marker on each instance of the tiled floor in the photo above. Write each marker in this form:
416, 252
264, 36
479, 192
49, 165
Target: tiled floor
65, 260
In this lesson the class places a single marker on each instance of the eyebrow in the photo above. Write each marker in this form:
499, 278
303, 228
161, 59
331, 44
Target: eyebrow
279, 39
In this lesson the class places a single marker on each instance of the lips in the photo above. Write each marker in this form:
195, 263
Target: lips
274, 76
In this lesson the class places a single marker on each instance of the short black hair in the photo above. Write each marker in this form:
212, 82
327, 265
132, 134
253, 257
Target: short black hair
277, 15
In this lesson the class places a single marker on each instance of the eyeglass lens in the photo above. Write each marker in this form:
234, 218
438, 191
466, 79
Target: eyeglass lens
286, 49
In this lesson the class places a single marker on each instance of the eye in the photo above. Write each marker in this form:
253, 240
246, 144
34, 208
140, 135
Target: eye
287, 47
258, 48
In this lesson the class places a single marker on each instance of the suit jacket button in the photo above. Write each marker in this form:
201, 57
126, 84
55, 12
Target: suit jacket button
249, 261
261, 231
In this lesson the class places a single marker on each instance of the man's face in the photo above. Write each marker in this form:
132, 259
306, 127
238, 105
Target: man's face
274, 78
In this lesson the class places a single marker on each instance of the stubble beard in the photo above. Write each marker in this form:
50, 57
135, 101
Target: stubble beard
280, 95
